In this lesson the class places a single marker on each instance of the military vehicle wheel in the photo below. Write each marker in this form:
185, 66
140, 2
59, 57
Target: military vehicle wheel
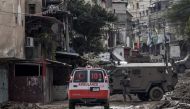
181, 69
143, 96
71, 106
156, 93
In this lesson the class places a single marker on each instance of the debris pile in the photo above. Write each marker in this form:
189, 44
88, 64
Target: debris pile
16, 105
168, 104
182, 90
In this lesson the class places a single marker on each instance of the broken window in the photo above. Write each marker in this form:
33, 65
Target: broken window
28, 70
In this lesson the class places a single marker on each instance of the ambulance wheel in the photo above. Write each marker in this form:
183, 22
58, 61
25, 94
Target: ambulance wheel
71, 106
106, 106
143, 96
156, 93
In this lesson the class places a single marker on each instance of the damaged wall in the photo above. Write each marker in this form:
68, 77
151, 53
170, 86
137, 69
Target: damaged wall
12, 28
25, 88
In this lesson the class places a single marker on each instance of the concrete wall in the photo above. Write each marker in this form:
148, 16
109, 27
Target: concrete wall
32, 89
12, 28
3, 84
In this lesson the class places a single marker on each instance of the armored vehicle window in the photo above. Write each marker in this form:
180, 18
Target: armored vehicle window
136, 71
120, 72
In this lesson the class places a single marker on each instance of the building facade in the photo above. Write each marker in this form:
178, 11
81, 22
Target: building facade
12, 28
12, 32
140, 11
123, 25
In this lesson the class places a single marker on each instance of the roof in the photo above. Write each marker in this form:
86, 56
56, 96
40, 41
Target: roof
88, 68
145, 65
58, 62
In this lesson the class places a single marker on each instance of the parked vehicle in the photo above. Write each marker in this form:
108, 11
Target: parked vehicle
147, 80
89, 87
183, 64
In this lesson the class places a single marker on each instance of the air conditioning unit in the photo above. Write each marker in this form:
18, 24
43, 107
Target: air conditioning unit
29, 42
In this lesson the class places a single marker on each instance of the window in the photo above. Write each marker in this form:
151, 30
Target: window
27, 70
96, 76
143, 13
32, 8
80, 76
126, 4
146, 12
136, 71
137, 5
120, 73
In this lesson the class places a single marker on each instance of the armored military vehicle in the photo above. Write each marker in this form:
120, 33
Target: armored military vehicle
147, 80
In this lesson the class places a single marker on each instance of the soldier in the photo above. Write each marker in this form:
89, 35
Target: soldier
125, 86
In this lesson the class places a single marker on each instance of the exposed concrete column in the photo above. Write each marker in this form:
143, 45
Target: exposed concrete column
67, 33
115, 39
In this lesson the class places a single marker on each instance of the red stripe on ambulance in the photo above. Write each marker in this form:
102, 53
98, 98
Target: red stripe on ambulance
77, 94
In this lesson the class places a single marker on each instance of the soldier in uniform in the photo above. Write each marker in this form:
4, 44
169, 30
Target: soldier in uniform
125, 87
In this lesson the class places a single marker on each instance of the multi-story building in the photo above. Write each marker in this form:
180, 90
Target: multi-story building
12, 32
162, 29
140, 13
123, 25
103, 3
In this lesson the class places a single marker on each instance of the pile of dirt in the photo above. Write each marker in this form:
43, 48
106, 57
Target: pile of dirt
16, 105
182, 90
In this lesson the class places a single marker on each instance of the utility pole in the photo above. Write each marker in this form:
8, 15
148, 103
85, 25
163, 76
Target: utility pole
166, 49
67, 33
149, 27
67, 27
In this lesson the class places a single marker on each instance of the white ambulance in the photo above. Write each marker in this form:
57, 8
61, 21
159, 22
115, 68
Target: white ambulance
88, 87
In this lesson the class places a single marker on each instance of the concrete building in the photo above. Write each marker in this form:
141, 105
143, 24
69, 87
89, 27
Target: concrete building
12, 32
12, 28
140, 12
123, 25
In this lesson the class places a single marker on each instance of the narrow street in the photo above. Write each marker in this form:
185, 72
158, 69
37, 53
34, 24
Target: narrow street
116, 101
66, 54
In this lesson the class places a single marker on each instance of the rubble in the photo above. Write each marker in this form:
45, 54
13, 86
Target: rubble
169, 104
16, 105
180, 97
181, 91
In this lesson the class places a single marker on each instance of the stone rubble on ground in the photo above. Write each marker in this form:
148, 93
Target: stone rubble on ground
16, 105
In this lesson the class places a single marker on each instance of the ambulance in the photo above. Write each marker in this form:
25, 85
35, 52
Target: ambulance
88, 87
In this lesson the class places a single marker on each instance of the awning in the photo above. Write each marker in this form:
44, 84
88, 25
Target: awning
58, 62
32, 18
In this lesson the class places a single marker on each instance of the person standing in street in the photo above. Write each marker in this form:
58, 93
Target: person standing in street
125, 87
